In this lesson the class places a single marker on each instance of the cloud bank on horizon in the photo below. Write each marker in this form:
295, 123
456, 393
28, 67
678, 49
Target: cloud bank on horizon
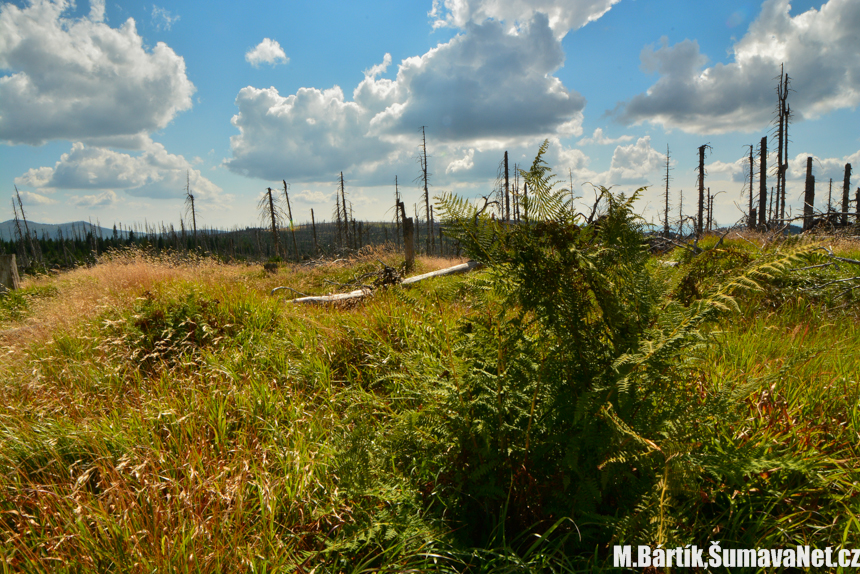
494, 85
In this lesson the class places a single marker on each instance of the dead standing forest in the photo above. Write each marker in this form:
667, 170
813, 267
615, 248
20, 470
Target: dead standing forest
282, 237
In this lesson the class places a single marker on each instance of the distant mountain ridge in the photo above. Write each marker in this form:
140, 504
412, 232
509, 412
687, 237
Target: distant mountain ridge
51, 230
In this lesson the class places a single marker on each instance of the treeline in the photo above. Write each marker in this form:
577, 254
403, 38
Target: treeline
84, 245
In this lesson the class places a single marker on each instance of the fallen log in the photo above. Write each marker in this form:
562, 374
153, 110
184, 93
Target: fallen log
358, 293
462, 268
337, 297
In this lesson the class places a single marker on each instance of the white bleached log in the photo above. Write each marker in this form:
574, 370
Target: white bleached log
462, 268
358, 293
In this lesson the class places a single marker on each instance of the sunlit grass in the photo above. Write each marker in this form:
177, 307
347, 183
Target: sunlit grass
164, 415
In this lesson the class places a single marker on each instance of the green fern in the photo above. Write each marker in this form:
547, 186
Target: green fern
576, 395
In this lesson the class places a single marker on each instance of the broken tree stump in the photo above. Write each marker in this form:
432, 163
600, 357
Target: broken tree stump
9, 280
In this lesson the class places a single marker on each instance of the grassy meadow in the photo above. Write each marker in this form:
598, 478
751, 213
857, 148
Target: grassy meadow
167, 414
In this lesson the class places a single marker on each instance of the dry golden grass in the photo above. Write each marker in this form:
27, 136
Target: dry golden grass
120, 277
835, 241
83, 292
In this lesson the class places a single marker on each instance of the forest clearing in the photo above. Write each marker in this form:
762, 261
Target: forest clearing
177, 413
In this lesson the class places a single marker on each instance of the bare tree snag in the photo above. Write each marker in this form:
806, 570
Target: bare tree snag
189, 202
9, 280
345, 214
417, 226
808, 196
507, 192
22, 247
314, 225
786, 114
666, 212
408, 236
699, 219
338, 218
34, 250
752, 219
762, 183
274, 216
397, 218
290, 216
424, 178
857, 205
846, 187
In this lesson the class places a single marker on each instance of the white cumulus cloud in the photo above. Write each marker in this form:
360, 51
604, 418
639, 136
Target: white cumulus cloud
80, 79
825, 168
266, 52
818, 47
465, 163
153, 173
600, 139
35, 198
563, 15
309, 196
97, 201
97, 10
485, 90
631, 164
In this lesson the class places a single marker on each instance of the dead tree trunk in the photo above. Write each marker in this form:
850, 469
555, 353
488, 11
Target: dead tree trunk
808, 196
846, 185
710, 208
762, 184
516, 194
189, 198
700, 220
339, 220
408, 236
417, 226
273, 215
507, 192
345, 214
572, 197
780, 170
314, 226
424, 176
770, 215
526, 200
857, 205
290, 216
397, 214
22, 247
666, 212
786, 114
34, 250
752, 219
9, 280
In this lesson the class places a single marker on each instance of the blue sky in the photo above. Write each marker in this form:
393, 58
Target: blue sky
107, 107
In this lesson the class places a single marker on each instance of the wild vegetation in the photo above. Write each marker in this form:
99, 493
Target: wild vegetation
168, 414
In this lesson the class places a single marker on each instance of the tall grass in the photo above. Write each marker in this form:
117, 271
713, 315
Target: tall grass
164, 415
